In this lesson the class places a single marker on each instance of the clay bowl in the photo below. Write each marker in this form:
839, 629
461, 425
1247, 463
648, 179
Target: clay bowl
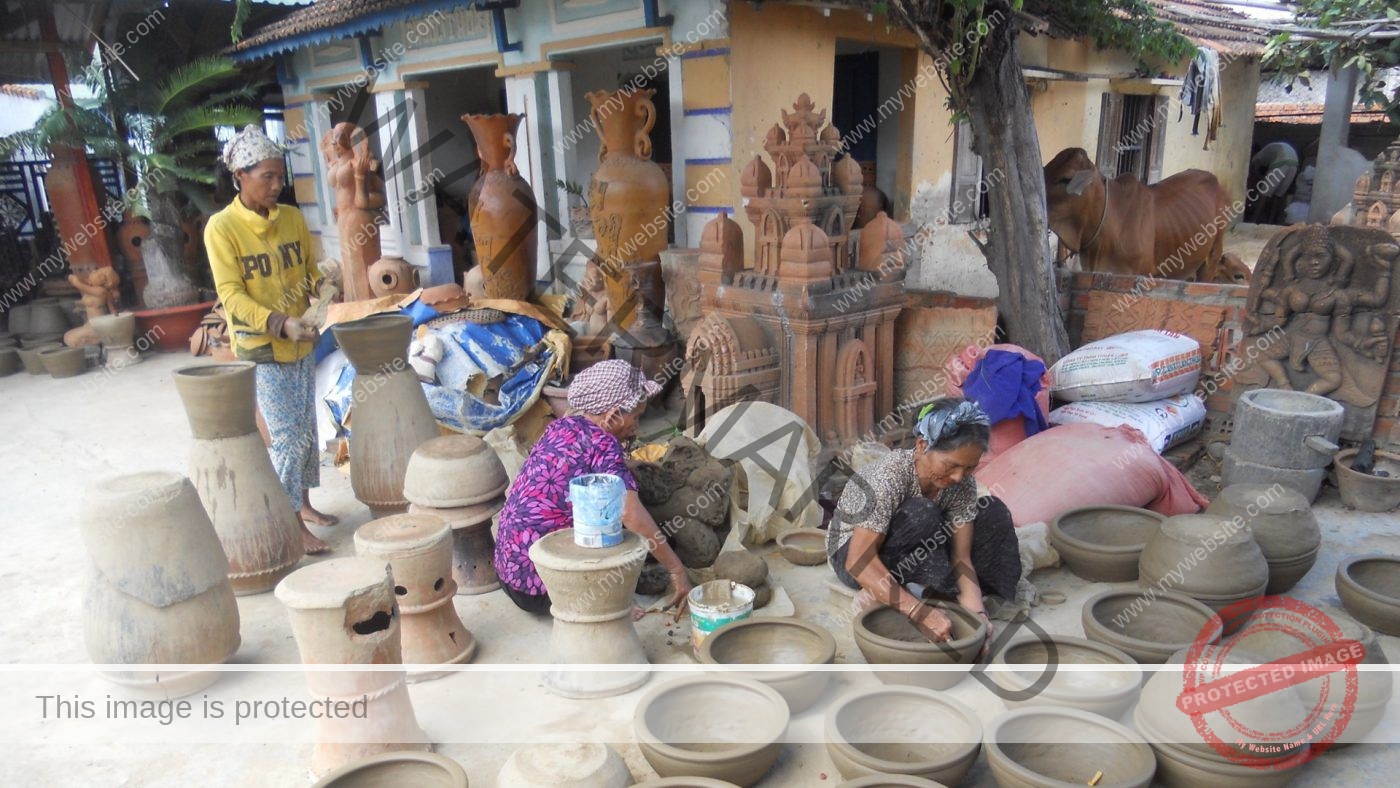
8, 340
721, 727
29, 357
1369, 586
558, 399
64, 362
772, 641
803, 546
1040, 747
560, 761
1103, 543
890, 781
685, 782
1105, 692
1148, 627
9, 361
453, 471
418, 769
886, 637
1283, 524
1364, 492
902, 731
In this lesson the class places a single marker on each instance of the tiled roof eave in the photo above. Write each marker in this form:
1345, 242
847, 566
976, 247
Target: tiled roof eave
252, 49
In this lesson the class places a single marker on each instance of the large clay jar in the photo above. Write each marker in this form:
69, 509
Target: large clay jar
628, 199
233, 473
158, 589
342, 612
503, 210
390, 417
418, 548
1207, 558
1283, 524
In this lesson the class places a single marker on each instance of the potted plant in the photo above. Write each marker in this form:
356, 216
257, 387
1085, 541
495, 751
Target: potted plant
580, 221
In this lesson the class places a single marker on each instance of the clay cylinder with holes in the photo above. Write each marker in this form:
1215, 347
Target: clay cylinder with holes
342, 612
418, 549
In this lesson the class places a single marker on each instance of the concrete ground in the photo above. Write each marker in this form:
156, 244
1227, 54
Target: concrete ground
1248, 240
62, 434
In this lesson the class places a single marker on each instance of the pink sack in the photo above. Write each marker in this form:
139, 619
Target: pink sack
1009, 432
1076, 465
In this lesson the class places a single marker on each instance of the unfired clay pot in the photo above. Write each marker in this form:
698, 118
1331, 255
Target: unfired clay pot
503, 211
774, 641
1369, 587
47, 316
231, 469
397, 770
1215, 562
1108, 692
342, 612
1039, 747
890, 781
116, 331
1103, 543
64, 362
473, 547
19, 320
1283, 525
685, 782
590, 591
1365, 492
1148, 629
902, 730
452, 471
390, 417
418, 548
723, 727
33, 363
803, 546
9, 361
565, 760
887, 637
158, 587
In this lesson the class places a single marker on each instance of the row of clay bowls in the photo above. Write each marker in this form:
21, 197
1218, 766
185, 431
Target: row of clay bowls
1369, 587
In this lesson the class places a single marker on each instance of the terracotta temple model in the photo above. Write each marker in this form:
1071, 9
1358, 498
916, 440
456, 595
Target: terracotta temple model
503, 211
359, 199
786, 330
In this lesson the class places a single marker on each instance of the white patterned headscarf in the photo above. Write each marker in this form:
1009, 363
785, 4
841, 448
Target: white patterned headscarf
249, 147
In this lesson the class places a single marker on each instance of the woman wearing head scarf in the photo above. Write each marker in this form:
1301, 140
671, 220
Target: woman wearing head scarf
606, 401
260, 254
912, 524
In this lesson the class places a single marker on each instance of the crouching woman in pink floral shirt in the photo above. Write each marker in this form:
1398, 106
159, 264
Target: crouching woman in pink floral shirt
606, 401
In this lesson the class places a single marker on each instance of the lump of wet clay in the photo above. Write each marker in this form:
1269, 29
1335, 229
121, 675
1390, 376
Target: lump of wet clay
743, 567
695, 543
654, 580
762, 595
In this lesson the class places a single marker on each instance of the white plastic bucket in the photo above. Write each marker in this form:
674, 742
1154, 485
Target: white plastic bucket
715, 604
597, 506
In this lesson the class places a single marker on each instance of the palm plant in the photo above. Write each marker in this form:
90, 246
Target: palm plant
169, 144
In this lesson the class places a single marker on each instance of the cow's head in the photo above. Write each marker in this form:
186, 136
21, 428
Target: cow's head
1068, 177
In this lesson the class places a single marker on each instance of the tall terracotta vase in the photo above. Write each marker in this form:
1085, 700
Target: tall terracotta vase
503, 211
237, 484
65, 200
158, 590
628, 199
390, 417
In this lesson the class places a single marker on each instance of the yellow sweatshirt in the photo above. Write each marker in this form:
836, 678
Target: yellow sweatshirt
263, 271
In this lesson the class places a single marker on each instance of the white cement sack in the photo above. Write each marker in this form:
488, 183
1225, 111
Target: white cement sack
1165, 422
1136, 366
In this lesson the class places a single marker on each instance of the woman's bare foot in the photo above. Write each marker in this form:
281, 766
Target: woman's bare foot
311, 544
637, 612
310, 515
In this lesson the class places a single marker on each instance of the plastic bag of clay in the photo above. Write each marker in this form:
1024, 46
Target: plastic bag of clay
1136, 366
1077, 465
424, 355
1165, 422
777, 456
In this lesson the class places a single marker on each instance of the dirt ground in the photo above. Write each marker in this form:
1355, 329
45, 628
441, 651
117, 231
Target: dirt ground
60, 435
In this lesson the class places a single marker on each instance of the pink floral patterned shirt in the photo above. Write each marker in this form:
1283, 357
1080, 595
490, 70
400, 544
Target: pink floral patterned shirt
538, 501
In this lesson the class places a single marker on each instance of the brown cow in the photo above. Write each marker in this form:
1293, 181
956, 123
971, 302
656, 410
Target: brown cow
1173, 229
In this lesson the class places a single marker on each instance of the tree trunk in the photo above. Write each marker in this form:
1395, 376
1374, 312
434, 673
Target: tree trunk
1017, 250
162, 253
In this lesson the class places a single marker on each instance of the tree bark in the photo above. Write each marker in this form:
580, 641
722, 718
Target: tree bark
1017, 250
162, 253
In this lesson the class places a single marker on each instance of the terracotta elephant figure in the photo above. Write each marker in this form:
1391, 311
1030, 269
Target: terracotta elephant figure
1174, 229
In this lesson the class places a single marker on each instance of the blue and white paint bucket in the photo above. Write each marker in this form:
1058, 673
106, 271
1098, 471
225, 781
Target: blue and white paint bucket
597, 505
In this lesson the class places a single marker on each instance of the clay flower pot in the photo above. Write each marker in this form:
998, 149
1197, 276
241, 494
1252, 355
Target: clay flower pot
503, 210
170, 328
560, 760
721, 727
33, 363
773, 641
1049, 747
1369, 587
454, 471
1282, 523
887, 637
19, 320
1107, 692
803, 546
158, 589
9, 361
64, 362
1148, 628
115, 330
889, 781
48, 317
418, 769
1103, 543
1208, 559
390, 418
473, 547
902, 730
1364, 492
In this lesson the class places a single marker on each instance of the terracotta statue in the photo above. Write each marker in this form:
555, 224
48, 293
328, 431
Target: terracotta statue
359, 198
99, 287
591, 313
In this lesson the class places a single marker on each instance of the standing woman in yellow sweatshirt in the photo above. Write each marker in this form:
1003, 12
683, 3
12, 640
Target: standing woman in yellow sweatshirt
260, 253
